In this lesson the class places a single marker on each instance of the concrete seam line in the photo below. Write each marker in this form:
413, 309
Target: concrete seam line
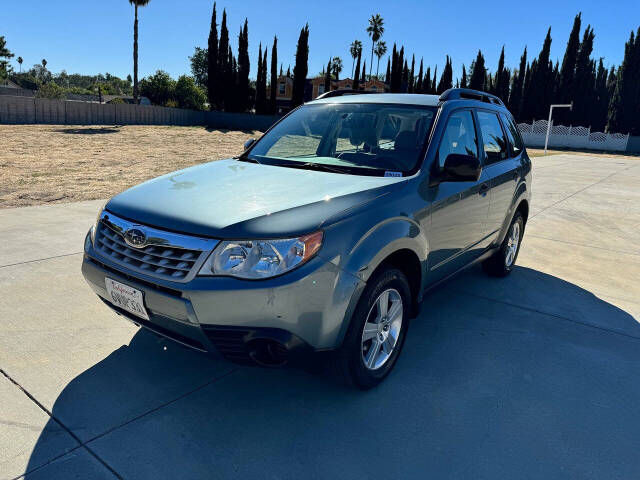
549, 314
64, 427
167, 403
583, 189
41, 259
581, 245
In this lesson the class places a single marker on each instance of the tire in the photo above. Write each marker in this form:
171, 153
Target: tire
349, 363
501, 263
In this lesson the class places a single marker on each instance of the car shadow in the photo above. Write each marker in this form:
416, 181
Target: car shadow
525, 376
88, 130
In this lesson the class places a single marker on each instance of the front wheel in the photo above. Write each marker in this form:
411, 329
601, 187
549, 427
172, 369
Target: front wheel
377, 331
501, 263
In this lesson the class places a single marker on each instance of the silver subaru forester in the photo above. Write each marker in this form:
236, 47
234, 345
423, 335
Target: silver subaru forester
319, 241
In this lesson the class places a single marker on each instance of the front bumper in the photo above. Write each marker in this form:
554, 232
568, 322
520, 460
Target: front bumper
302, 311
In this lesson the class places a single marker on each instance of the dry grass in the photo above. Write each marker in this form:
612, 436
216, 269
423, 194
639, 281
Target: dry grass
61, 163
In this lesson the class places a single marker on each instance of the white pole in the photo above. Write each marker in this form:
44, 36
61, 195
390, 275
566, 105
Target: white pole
546, 140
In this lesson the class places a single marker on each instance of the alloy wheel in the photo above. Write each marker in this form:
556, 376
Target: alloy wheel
382, 329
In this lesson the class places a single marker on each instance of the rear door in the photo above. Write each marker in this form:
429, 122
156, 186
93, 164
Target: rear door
459, 209
502, 162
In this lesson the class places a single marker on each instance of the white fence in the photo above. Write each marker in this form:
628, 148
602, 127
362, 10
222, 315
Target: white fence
571, 137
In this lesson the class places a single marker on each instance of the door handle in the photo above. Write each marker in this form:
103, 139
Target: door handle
484, 188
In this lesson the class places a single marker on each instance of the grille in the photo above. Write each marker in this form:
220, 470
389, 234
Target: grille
230, 342
170, 263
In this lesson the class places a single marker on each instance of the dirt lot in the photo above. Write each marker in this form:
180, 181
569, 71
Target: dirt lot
61, 163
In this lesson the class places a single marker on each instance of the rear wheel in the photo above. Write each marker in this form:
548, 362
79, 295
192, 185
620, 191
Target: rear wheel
501, 263
377, 331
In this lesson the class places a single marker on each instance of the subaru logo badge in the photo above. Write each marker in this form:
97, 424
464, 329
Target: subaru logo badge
135, 237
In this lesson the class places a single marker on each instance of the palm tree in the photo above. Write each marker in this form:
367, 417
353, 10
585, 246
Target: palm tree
20, 60
44, 63
375, 31
354, 50
136, 4
336, 67
380, 51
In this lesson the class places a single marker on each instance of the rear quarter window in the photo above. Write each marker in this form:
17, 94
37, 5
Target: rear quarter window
495, 144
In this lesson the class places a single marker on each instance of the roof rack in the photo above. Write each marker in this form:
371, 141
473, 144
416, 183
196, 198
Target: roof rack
468, 94
340, 93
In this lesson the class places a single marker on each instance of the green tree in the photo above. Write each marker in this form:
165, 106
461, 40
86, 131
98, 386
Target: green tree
517, 85
327, 77
261, 81
568, 69
213, 91
418, 87
446, 80
387, 78
355, 49
426, 83
188, 95
356, 80
336, 67
301, 67
539, 94
412, 74
159, 88
200, 67
243, 68
5, 55
583, 89
274, 74
463, 80
599, 110
136, 4
20, 60
623, 110
478, 73
380, 51
223, 81
51, 90
501, 84
375, 31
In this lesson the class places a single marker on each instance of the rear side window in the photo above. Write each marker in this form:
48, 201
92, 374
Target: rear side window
513, 135
459, 136
495, 145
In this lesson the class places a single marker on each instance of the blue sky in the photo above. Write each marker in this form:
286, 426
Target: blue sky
96, 36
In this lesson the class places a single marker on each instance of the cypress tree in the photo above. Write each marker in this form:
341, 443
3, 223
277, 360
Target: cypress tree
501, 83
412, 74
463, 80
433, 83
599, 111
426, 83
623, 110
527, 112
213, 90
274, 75
583, 89
327, 77
418, 88
387, 78
259, 96
356, 80
542, 86
395, 78
405, 77
301, 67
244, 67
517, 85
568, 69
478, 73
363, 77
223, 85
446, 80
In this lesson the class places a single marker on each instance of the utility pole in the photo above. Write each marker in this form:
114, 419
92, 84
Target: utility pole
546, 140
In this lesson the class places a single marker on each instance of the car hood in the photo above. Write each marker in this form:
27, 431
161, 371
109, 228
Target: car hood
234, 199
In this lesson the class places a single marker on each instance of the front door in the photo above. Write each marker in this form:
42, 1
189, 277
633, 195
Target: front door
459, 209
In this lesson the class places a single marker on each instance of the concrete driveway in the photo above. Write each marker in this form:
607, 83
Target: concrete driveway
534, 376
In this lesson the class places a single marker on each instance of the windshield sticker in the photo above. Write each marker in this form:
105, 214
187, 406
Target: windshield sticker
389, 173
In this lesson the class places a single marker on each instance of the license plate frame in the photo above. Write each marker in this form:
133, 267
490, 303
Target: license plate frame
126, 297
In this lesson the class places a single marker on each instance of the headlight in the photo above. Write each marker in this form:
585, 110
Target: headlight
257, 259
94, 228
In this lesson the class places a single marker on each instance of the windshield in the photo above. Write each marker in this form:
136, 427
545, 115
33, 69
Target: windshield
356, 138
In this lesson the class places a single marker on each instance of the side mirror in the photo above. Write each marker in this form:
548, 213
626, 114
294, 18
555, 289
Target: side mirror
249, 143
461, 168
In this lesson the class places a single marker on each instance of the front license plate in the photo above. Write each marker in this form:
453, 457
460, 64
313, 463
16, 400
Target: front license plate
126, 297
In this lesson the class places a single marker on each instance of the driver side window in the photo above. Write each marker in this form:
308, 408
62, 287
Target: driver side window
459, 136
